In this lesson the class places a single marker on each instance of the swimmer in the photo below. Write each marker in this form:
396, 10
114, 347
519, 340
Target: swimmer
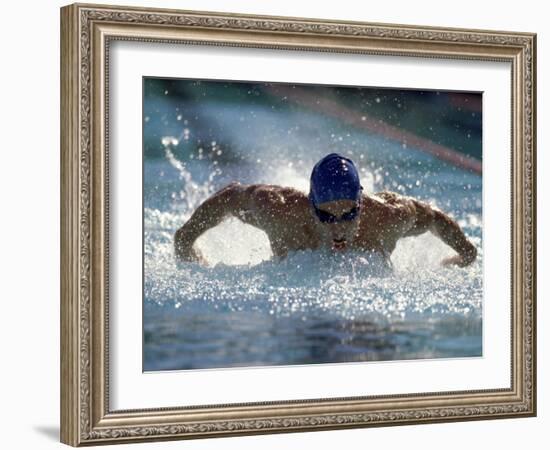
336, 215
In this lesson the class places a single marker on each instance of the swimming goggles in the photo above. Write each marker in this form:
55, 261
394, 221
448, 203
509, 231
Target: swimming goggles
327, 217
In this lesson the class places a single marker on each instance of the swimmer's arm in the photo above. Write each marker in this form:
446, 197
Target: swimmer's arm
432, 219
209, 214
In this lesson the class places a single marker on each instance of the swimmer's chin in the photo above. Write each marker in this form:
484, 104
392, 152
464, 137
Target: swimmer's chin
339, 245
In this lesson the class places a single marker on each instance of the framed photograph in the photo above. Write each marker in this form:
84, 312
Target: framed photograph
276, 224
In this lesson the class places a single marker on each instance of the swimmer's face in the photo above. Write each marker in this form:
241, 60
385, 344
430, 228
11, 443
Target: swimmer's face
337, 222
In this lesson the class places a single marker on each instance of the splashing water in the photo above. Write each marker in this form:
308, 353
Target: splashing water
246, 309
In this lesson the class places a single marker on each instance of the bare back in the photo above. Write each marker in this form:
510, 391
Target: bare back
282, 213
285, 215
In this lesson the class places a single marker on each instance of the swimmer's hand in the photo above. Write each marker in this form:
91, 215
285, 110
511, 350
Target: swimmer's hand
455, 260
193, 255
185, 251
467, 258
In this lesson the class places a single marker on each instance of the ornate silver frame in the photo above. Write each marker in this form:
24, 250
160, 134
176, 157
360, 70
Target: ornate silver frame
86, 31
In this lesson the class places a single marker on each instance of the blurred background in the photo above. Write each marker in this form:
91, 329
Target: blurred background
450, 119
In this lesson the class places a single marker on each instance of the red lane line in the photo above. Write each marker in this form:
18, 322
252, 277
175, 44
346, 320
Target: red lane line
378, 126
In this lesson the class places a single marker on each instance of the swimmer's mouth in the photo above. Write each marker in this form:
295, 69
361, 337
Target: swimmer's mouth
339, 244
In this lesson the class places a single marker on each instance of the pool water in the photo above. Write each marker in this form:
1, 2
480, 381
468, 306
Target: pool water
313, 307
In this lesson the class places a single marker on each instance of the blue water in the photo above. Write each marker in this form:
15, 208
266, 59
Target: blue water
244, 309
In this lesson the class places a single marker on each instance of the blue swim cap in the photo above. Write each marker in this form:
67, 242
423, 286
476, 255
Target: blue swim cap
334, 178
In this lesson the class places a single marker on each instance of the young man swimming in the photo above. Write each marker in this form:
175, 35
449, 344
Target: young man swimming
336, 214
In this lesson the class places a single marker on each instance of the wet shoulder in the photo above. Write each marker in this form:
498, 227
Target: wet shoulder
269, 193
391, 203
